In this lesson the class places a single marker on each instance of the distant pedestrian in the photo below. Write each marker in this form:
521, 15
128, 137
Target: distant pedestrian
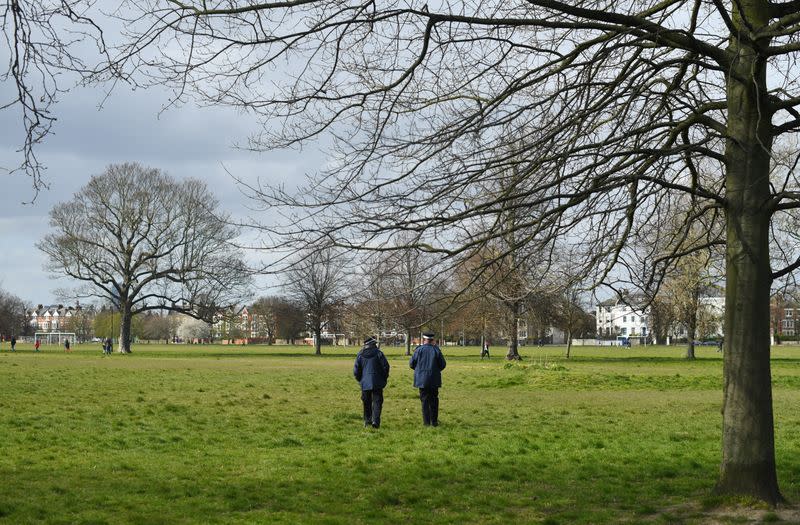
13, 343
66, 345
485, 350
428, 363
108, 346
371, 369
36, 345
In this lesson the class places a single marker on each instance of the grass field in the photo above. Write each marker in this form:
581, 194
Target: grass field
215, 434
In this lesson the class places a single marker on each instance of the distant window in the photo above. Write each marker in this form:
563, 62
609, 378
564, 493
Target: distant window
788, 313
644, 330
624, 331
624, 318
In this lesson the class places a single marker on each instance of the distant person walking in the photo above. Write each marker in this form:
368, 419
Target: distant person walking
13, 343
66, 346
428, 363
371, 369
36, 345
108, 346
485, 350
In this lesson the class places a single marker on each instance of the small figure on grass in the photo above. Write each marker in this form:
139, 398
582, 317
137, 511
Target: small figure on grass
36, 345
13, 343
485, 350
428, 363
108, 346
371, 369
66, 346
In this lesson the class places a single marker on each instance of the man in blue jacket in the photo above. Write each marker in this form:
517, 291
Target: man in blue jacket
428, 363
371, 369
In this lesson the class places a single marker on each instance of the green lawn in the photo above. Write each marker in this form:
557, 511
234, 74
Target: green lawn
215, 434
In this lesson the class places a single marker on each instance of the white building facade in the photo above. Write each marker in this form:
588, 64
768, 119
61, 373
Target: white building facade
617, 319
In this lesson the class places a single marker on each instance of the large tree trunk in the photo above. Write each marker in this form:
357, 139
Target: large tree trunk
318, 342
691, 325
691, 333
125, 330
513, 337
748, 448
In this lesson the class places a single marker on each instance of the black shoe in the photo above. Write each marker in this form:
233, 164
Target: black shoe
435, 424
376, 425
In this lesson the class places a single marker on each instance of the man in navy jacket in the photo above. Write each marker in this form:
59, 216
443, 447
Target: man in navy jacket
428, 363
371, 369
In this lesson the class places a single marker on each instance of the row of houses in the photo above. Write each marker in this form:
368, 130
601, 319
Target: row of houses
52, 318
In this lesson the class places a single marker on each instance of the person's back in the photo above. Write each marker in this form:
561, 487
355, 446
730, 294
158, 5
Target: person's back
428, 363
371, 370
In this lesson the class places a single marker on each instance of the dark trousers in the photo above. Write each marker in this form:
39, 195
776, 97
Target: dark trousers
373, 403
430, 405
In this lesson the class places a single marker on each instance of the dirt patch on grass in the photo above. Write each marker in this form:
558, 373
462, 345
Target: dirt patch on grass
728, 515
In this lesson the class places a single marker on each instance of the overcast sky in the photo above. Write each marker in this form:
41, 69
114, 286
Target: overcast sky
184, 142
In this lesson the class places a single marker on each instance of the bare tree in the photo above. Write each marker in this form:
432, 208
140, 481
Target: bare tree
145, 242
13, 320
370, 307
156, 326
570, 315
290, 319
316, 281
414, 277
684, 289
81, 322
264, 317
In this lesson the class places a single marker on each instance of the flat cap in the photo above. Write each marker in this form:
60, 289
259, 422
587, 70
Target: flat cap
428, 335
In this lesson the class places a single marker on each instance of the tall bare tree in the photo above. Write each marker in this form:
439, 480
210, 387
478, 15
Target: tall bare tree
264, 317
145, 241
684, 289
13, 319
316, 280
370, 308
414, 277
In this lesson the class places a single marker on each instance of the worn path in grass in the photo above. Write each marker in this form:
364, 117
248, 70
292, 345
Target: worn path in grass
215, 434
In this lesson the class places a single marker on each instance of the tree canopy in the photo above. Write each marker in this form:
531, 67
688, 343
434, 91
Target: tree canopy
144, 241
